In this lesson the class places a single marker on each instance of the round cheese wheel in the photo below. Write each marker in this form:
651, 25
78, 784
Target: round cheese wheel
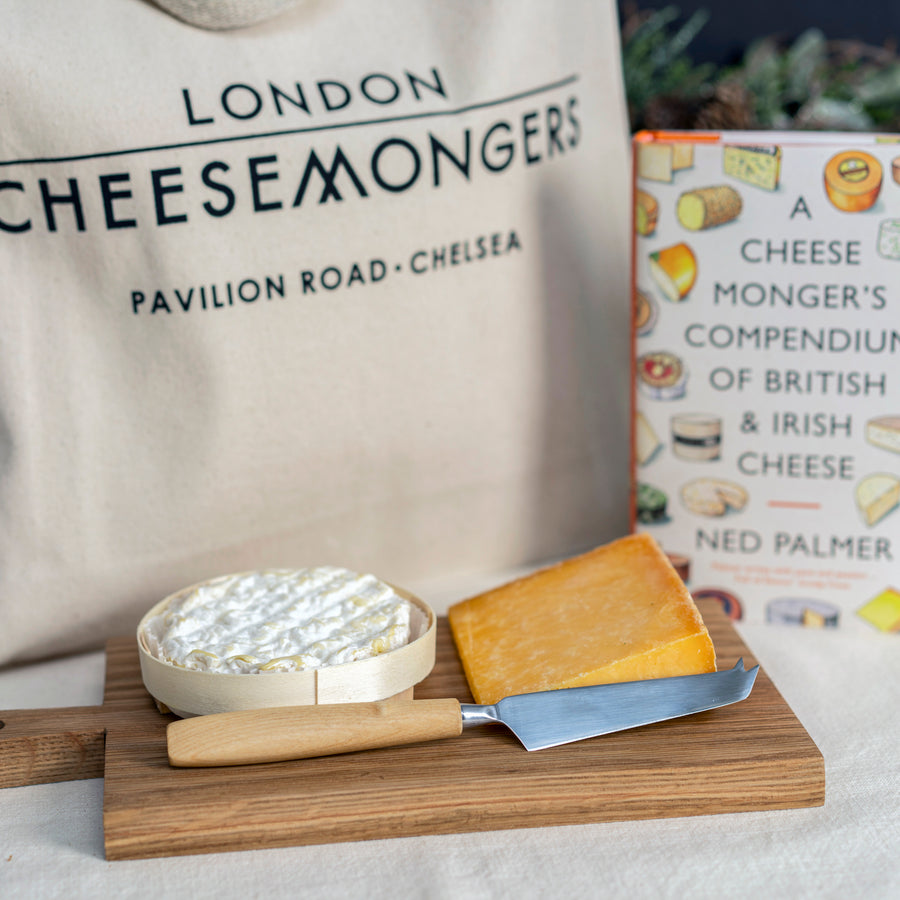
801, 611
191, 692
645, 313
729, 602
662, 375
696, 436
853, 180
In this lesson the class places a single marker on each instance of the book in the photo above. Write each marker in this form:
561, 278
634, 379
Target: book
766, 438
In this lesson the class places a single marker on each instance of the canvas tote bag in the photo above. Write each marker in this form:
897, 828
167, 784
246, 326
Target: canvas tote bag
345, 286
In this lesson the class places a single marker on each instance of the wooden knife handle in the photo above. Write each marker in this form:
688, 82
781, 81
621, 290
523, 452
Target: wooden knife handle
299, 732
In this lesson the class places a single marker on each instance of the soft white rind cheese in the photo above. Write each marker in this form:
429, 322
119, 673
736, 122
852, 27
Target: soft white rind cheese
280, 621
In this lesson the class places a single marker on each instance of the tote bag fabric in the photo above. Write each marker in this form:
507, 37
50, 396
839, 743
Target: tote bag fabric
348, 286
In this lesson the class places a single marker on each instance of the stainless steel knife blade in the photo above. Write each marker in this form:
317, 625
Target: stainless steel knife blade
539, 720
550, 718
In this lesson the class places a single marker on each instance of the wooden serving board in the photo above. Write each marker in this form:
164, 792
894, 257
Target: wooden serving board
754, 755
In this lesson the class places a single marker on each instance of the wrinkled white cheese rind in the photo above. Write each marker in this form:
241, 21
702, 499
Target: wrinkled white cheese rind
280, 621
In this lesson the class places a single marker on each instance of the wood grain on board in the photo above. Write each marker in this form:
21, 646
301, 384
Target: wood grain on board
754, 755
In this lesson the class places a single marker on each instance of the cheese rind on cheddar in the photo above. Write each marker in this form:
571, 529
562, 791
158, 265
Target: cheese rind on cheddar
617, 613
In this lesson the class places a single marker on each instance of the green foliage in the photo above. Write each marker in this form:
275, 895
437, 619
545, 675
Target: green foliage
654, 59
809, 83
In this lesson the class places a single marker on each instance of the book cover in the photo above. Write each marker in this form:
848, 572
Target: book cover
766, 289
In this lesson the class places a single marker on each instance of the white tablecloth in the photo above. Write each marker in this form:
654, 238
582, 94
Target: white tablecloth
844, 688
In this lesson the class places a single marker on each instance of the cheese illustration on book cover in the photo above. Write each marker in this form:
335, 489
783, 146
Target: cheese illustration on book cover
889, 239
714, 497
853, 181
646, 442
646, 213
708, 207
877, 495
729, 602
883, 610
674, 269
884, 432
645, 313
662, 375
759, 166
660, 162
807, 613
697, 436
651, 504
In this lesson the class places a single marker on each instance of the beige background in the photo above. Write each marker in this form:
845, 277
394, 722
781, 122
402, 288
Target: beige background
452, 422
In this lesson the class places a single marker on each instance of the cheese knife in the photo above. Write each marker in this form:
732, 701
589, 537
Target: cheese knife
539, 720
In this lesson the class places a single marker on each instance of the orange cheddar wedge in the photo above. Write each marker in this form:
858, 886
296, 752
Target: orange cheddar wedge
617, 613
